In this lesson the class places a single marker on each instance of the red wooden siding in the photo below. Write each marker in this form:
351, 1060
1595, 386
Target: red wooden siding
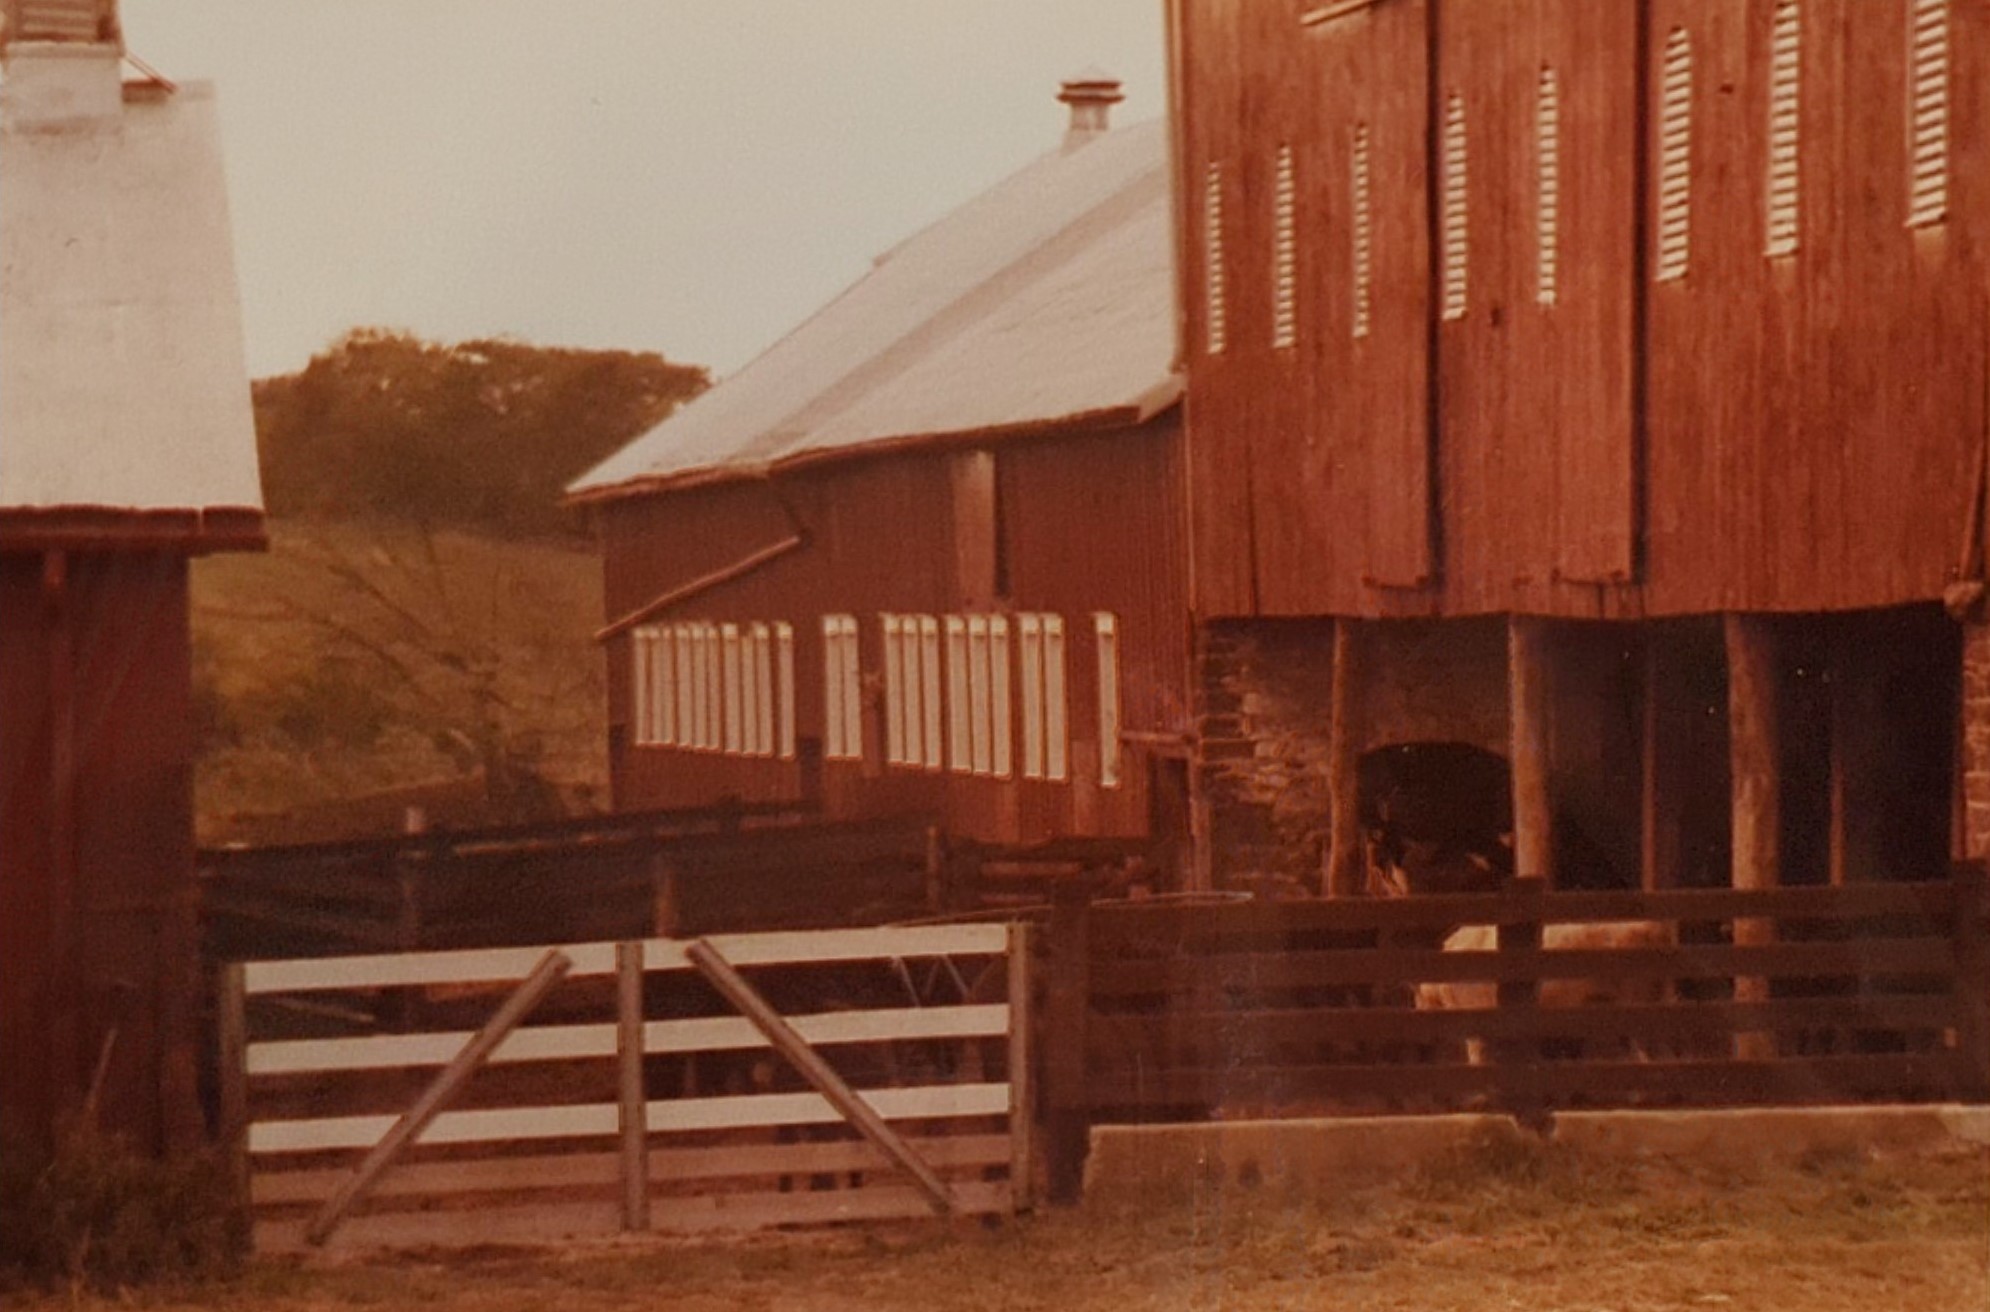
1790, 431
96, 877
1086, 524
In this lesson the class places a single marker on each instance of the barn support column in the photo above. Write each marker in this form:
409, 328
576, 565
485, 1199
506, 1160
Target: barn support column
1529, 699
1345, 863
1754, 743
1664, 763
63, 990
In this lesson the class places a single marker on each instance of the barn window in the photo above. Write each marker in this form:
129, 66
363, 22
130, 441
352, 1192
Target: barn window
1284, 255
784, 675
929, 689
1928, 114
1030, 628
1547, 186
663, 687
1363, 234
981, 695
1785, 124
642, 670
1056, 731
687, 685
960, 707
1105, 628
708, 686
694, 639
1001, 731
1675, 158
749, 695
1457, 207
761, 642
894, 690
843, 727
731, 687
1215, 319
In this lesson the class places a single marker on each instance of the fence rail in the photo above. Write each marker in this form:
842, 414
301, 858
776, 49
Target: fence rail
632, 1048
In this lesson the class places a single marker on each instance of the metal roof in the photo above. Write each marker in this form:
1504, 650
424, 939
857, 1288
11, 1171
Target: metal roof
123, 385
1046, 302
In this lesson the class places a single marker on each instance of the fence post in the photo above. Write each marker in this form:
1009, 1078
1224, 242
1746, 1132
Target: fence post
1067, 999
1972, 980
1022, 1089
232, 1033
634, 1115
1517, 1061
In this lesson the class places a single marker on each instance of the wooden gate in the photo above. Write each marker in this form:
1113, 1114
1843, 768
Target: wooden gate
633, 1095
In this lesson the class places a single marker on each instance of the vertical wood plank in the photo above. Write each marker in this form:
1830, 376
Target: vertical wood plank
1344, 853
1022, 1088
633, 1110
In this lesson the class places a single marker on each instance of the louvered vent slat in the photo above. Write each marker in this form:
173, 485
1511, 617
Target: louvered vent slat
1216, 322
1785, 101
1928, 125
1364, 233
1548, 201
1675, 158
1285, 255
1457, 209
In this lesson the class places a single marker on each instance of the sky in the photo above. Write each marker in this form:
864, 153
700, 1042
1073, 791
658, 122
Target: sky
687, 176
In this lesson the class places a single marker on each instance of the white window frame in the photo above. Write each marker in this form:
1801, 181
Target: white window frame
1056, 719
960, 706
761, 644
832, 688
714, 688
641, 688
853, 690
892, 629
1030, 638
1105, 632
732, 690
1002, 722
784, 673
687, 687
929, 690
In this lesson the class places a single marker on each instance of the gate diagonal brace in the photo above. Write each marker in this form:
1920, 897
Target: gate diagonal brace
732, 986
552, 968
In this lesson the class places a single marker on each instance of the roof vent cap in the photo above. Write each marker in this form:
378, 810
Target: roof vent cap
1091, 96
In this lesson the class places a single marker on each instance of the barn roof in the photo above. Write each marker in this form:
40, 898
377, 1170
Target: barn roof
1045, 303
124, 396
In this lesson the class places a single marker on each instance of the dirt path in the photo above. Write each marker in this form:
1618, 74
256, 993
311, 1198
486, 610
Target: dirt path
1493, 1228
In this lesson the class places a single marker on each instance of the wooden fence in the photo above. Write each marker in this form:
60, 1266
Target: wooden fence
604, 877
633, 1096
1779, 996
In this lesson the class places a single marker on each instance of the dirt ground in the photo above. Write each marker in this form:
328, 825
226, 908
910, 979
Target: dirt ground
1501, 1225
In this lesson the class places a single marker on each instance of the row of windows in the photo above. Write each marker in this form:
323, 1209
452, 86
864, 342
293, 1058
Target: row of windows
715, 688
951, 685
1927, 125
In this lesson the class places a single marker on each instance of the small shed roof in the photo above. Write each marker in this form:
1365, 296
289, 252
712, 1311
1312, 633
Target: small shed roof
124, 394
1046, 302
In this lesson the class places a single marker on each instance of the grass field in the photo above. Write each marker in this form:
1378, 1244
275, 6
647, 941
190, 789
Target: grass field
1495, 1227
353, 659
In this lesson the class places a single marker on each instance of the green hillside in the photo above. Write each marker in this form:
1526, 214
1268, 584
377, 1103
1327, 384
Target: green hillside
420, 632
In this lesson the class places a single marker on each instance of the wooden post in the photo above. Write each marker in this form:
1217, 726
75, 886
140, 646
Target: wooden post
232, 1032
447, 1084
734, 989
1754, 749
936, 868
1022, 1089
1529, 714
1517, 1060
634, 1105
1663, 763
1344, 873
1067, 1002
1972, 981
666, 899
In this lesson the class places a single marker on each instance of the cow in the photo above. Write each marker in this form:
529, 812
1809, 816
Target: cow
1565, 991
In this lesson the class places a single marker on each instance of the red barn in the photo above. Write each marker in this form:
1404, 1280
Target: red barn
1599, 383
126, 447
925, 554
